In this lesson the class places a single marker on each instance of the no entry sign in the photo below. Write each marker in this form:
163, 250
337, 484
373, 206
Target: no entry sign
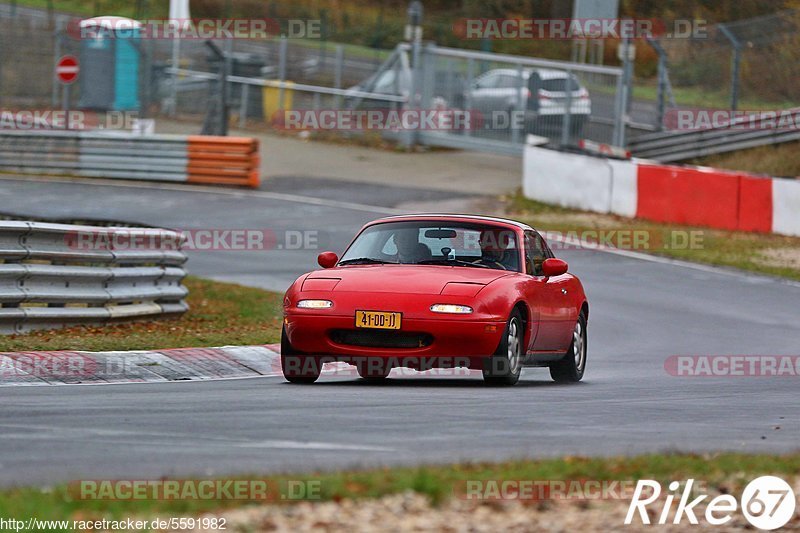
67, 69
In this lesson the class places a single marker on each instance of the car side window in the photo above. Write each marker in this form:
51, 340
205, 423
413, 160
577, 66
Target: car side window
536, 251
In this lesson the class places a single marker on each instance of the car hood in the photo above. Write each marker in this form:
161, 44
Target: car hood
408, 279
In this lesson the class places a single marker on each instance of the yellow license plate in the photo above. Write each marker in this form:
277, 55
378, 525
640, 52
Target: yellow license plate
378, 319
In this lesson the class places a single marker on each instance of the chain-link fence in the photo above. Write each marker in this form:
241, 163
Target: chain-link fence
747, 65
506, 97
29, 48
509, 97
299, 62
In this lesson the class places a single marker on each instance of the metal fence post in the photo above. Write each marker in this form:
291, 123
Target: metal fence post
566, 124
56, 56
735, 64
619, 112
449, 79
1, 68
245, 98
282, 49
468, 97
337, 73
216, 122
413, 32
65, 103
176, 59
623, 95
147, 77
662, 79
517, 107
227, 65
416, 85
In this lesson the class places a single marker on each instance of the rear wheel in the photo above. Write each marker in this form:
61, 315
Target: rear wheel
570, 369
505, 366
296, 367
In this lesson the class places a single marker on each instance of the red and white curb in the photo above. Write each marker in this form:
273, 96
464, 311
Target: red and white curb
141, 366
161, 366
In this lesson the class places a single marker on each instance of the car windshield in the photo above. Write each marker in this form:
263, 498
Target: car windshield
436, 243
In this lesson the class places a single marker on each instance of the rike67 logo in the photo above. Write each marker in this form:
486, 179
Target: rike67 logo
767, 502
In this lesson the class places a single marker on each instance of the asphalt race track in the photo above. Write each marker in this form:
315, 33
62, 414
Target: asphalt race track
642, 311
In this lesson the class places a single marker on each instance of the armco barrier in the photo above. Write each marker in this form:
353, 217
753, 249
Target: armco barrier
643, 189
54, 275
177, 158
227, 160
671, 146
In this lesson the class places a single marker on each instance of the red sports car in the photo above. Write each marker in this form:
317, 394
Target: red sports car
438, 291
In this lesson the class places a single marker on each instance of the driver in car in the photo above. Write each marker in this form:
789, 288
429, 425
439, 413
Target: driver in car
409, 249
495, 249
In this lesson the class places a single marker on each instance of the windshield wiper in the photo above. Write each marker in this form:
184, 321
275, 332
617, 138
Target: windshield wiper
451, 262
365, 261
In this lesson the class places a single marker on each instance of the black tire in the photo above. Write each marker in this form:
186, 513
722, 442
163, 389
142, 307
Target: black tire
374, 371
572, 366
296, 367
505, 366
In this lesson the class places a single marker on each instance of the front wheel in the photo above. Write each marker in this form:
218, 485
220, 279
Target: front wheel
505, 366
570, 369
296, 367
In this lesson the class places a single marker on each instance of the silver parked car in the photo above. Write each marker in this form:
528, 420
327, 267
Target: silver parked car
543, 92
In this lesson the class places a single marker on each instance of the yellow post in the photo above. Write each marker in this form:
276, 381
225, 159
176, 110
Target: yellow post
271, 101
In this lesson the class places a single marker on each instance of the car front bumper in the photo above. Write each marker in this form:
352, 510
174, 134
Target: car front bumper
456, 340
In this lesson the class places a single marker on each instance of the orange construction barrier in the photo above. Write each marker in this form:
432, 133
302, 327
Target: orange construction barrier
223, 160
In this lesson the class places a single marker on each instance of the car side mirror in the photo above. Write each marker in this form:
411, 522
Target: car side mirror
554, 267
327, 259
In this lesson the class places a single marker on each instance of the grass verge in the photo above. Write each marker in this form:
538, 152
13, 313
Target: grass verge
438, 483
220, 314
769, 254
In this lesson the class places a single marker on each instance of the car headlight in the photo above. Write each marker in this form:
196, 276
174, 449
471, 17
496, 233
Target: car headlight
451, 308
315, 304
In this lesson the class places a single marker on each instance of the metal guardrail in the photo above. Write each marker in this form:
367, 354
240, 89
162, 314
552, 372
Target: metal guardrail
175, 158
683, 145
55, 275
157, 157
278, 84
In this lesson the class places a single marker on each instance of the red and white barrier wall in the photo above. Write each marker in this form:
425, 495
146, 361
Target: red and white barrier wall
665, 193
